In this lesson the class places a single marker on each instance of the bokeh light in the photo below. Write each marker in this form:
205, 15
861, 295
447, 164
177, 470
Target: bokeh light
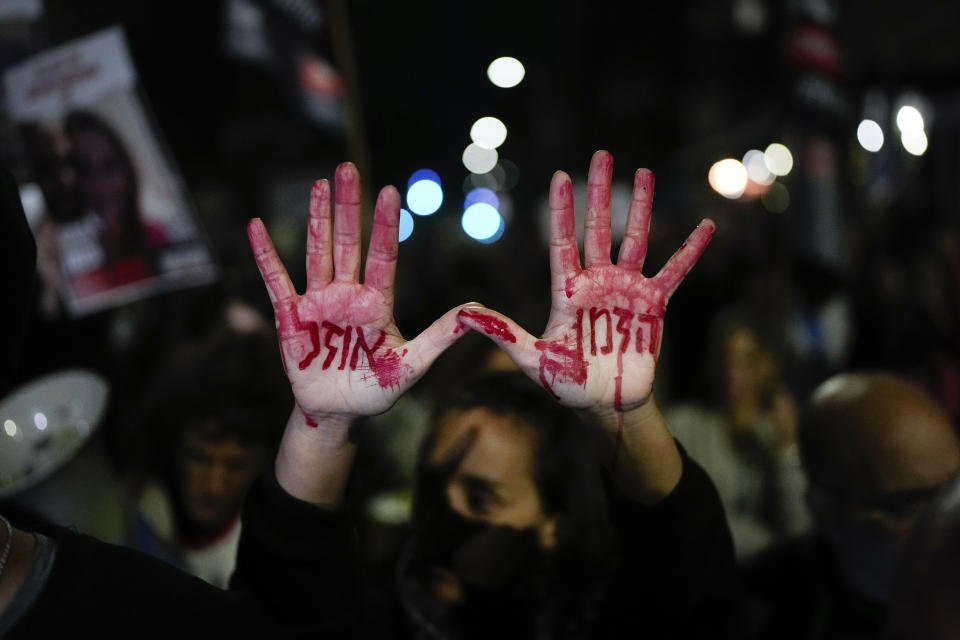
728, 177
506, 72
482, 194
482, 222
915, 142
406, 224
776, 198
757, 168
778, 159
488, 132
870, 135
909, 119
40, 420
479, 160
424, 193
476, 180
10, 427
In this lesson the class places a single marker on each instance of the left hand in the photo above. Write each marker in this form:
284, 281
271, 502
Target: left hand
600, 346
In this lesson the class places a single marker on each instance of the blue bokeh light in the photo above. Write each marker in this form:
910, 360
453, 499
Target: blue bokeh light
406, 224
482, 222
424, 193
482, 194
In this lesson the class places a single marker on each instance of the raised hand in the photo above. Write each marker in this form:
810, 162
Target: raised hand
341, 348
602, 339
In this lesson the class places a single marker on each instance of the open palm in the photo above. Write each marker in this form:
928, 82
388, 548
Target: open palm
600, 346
341, 348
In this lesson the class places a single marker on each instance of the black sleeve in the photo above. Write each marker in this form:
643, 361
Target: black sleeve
299, 561
676, 576
291, 582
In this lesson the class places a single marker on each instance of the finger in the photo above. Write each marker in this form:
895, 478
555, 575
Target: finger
564, 255
274, 275
507, 334
633, 249
435, 339
680, 263
596, 237
347, 225
384, 241
319, 237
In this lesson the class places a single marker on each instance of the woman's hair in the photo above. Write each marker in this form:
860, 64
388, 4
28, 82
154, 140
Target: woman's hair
567, 470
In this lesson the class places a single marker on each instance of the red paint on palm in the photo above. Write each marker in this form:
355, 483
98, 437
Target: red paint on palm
562, 362
332, 330
389, 369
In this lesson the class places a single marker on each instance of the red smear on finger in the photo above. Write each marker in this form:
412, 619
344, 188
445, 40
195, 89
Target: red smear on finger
489, 325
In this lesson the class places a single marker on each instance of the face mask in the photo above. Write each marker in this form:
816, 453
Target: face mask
481, 555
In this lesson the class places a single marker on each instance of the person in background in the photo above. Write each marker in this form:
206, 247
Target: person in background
55, 581
210, 423
745, 436
876, 448
490, 522
927, 586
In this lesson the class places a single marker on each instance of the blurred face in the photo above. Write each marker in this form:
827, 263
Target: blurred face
103, 175
869, 519
489, 521
493, 482
214, 478
55, 173
744, 366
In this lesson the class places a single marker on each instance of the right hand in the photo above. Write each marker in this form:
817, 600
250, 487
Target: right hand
341, 348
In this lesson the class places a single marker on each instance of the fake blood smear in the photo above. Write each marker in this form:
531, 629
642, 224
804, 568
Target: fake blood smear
314, 341
618, 408
562, 362
490, 325
388, 368
310, 421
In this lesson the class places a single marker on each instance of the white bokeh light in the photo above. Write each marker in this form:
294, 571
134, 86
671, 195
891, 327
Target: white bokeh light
756, 167
488, 132
506, 72
915, 142
909, 119
870, 135
406, 224
481, 221
778, 159
728, 177
479, 160
40, 420
424, 197
10, 427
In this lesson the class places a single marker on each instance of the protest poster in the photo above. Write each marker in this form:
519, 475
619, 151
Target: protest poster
116, 223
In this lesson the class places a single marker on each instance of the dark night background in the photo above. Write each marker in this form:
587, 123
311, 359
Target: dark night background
673, 86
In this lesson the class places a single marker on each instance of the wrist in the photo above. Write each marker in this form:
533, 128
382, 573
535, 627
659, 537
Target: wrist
615, 422
645, 463
321, 427
315, 457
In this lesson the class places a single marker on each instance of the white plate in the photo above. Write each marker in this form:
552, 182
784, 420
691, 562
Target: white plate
45, 422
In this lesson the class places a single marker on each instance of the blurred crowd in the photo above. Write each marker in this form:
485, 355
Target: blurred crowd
822, 399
